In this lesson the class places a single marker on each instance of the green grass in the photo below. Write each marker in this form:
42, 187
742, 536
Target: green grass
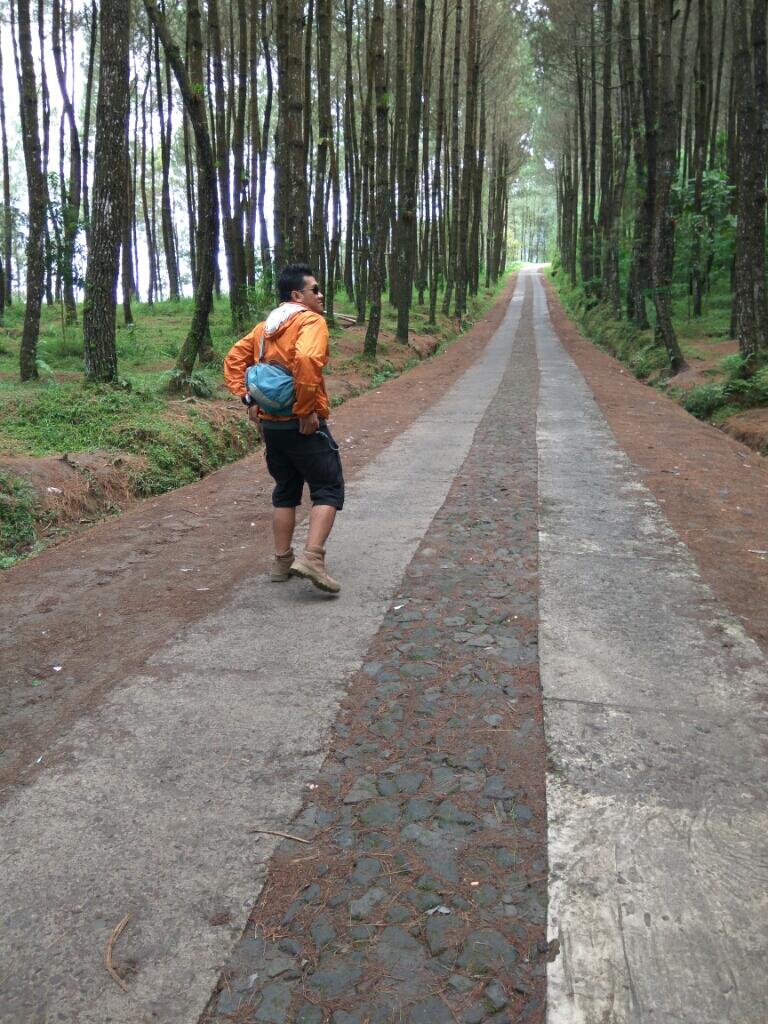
19, 516
176, 441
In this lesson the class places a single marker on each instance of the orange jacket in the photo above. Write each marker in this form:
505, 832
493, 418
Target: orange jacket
295, 338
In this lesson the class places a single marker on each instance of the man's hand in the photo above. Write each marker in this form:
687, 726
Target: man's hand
308, 424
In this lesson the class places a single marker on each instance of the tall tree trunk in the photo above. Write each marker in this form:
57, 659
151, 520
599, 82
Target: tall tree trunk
191, 87
437, 246
468, 168
306, 157
165, 116
367, 160
238, 164
7, 213
93, 29
155, 250
422, 274
37, 193
699, 156
109, 187
407, 214
715, 119
71, 203
609, 258
586, 249
220, 139
126, 252
350, 158
645, 145
749, 263
477, 201
189, 181
325, 136
381, 206
333, 252
145, 207
397, 156
594, 284
266, 255
45, 98
452, 258
291, 206
253, 146
662, 253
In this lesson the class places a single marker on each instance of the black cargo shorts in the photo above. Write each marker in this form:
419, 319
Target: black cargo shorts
295, 459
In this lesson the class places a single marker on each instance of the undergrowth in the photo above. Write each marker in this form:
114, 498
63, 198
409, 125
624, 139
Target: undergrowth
19, 516
732, 393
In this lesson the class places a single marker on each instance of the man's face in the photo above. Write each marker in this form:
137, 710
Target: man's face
310, 295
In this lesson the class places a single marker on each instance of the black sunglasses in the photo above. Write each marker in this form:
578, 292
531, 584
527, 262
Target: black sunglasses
315, 289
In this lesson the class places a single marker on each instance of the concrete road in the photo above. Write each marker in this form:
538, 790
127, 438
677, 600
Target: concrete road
658, 831
219, 734
656, 791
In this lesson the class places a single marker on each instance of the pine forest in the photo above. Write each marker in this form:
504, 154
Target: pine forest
191, 148
163, 159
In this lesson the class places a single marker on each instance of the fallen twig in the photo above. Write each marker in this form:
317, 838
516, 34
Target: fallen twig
282, 835
117, 931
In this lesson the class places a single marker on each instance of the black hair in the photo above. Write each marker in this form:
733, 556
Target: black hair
292, 279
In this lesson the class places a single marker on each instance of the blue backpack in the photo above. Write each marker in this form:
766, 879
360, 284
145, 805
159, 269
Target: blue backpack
271, 386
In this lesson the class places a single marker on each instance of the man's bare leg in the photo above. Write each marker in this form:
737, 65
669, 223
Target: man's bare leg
310, 564
321, 520
283, 523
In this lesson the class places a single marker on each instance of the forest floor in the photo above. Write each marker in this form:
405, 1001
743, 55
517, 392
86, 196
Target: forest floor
71, 453
528, 542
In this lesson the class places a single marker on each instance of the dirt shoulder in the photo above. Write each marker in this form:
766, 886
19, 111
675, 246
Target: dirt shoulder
85, 615
713, 489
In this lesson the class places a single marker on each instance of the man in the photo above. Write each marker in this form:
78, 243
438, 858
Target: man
299, 447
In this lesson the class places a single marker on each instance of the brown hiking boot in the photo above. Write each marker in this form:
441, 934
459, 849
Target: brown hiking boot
281, 567
310, 565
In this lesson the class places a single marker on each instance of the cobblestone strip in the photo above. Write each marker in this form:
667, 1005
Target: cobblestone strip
421, 895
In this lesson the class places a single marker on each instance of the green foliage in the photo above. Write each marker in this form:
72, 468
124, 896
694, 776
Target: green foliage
197, 384
179, 451
261, 297
60, 348
384, 372
18, 517
703, 401
734, 392
701, 238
